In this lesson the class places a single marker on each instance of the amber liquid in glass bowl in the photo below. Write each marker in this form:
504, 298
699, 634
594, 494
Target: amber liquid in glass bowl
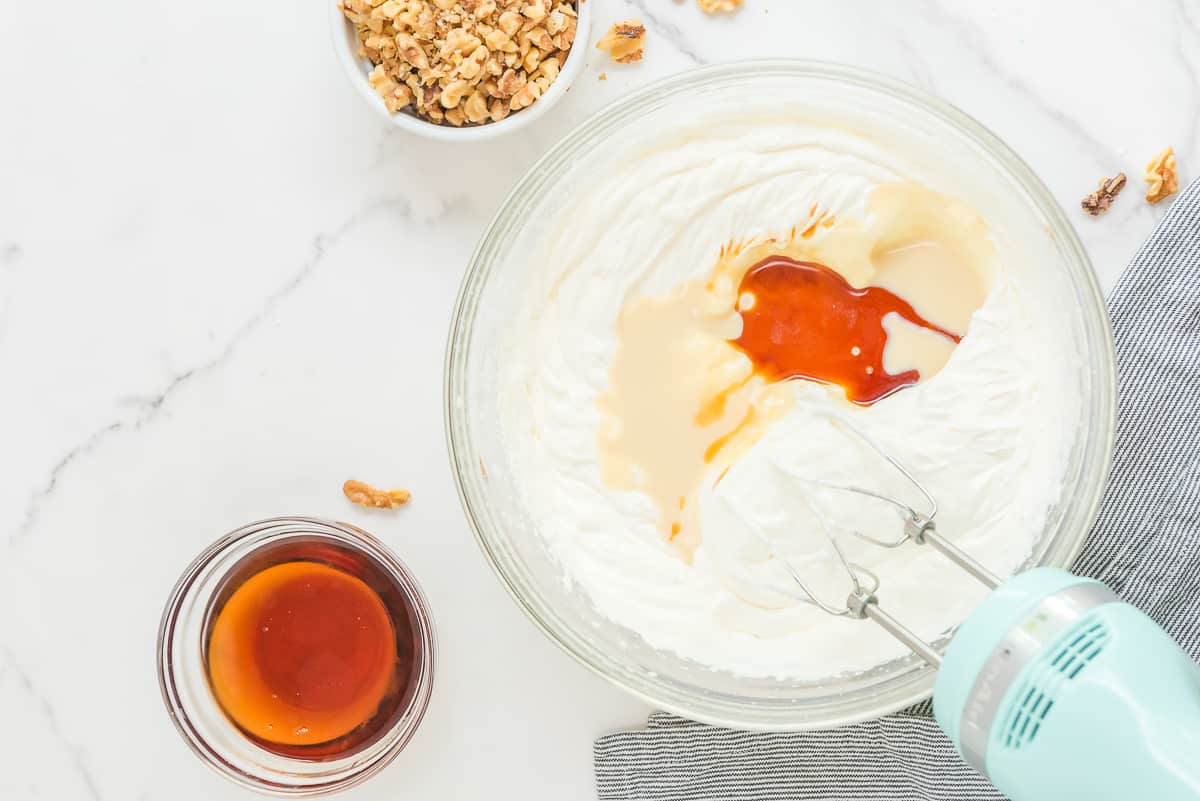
310, 649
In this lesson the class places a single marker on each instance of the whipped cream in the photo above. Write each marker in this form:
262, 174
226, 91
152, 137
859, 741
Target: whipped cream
988, 435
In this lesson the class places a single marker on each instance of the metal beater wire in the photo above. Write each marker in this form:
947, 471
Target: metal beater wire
851, 569
918, 527
908, 513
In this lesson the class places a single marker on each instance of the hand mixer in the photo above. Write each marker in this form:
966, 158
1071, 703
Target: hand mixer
1052, 688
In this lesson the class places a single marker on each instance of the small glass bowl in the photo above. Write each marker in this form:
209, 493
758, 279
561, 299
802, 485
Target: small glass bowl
189, 698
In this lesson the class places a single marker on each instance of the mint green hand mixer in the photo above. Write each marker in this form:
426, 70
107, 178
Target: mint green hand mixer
1052, 688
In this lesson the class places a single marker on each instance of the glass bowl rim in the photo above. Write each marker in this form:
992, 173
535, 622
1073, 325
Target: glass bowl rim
1062, 549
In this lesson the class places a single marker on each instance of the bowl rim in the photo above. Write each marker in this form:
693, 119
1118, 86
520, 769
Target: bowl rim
1099, 448
404, 120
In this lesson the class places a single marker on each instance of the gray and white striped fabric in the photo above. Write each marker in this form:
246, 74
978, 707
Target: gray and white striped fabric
1145, 545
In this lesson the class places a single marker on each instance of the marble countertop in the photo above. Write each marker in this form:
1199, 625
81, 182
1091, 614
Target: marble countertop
225, 285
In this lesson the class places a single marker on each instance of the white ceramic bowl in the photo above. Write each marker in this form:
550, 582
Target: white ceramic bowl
345, 45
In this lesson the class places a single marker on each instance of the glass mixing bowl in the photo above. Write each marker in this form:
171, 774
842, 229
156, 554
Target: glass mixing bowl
491, 293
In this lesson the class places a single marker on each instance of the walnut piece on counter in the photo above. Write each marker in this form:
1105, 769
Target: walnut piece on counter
460, 62
625, 41
1098, 202
1161, 178
366, 495
713, 6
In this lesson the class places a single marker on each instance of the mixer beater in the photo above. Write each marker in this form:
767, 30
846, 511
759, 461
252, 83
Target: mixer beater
919, 528
1053, 688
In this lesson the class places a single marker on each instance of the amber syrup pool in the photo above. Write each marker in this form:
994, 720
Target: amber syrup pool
311, 649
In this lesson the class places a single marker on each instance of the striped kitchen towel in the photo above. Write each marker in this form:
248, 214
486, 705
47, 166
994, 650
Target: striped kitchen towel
1145, 545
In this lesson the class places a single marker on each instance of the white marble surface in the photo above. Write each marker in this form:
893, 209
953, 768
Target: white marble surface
225, 285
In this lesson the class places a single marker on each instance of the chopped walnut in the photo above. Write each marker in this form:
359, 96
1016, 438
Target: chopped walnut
526, 95
366, 495
1161, 177
625, 41
449, 60
713, 6
476, 107
1098, 202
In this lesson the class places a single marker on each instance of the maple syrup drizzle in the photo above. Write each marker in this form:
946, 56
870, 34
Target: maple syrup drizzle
803, 320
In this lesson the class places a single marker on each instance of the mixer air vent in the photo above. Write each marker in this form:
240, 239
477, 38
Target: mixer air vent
1036, 697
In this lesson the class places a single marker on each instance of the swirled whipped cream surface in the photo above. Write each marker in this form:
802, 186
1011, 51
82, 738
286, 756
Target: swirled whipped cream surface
720, 321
